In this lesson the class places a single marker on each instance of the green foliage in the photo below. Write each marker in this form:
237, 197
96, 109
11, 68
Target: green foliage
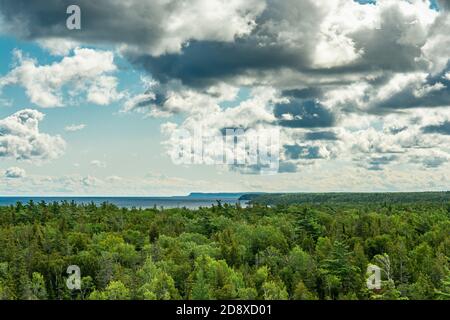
38, 289
444, 294
274, 290
214, 279
158, 285
116, 290
309, 250
301, 292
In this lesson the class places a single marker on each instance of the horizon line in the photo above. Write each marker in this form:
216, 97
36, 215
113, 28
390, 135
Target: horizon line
211, 193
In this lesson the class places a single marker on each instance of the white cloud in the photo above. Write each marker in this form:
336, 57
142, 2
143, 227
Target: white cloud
103, 91
91, 181
113, 179
177, 22
58, 46
21, 139
98, 164
75, 127
14, 173
163, 100
85, 71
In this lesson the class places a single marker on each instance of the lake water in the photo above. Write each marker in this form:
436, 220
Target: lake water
129, 202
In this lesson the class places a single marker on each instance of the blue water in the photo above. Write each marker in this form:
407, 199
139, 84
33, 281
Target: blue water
129, 202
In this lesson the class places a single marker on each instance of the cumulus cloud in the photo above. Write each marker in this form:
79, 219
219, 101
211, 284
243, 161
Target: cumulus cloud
151, 26
21, 139
206, 41
14, 173
58, 47
326, 43
87, 70
75, 127
163, 100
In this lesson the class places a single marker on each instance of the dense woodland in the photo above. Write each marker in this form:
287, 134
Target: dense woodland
303, 251
349, 198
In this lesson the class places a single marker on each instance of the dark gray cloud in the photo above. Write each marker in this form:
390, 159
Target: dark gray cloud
321, 135
140, 24
431, 161
102, 21
287, 167
382, 48
137, 23
444, 4
443, 128
205, 63
206, 58
434, 93
296, 152
377, 163
303, 114
305, 93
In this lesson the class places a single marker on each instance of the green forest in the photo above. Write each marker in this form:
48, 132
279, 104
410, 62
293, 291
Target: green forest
303, 251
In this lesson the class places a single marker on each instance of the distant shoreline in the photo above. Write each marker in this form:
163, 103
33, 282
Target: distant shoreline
197, 200
127, 202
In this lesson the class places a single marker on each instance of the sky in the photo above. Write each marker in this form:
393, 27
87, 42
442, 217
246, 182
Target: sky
353, 95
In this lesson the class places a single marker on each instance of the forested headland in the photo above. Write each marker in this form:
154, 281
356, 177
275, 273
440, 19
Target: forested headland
369, 198
283, 251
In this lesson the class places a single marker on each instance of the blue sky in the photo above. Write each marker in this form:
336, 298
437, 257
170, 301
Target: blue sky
357, 93
128, 144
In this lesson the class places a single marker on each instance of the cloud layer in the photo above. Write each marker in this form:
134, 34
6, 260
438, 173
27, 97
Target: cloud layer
346, 83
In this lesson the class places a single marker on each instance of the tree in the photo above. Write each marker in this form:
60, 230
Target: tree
214, 279
157, 284
388, 292
300, 267
116, 290
422, 289
301, 292
444, 293
38, 289
384, 262
274, 290
339, 273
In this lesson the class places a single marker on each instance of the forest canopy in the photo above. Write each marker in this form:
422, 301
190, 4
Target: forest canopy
285, 251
